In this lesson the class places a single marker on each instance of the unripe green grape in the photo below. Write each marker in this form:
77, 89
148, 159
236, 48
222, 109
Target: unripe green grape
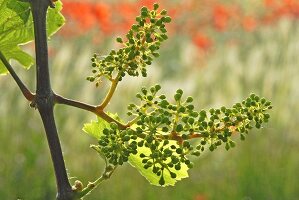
218, 143
152, 20
263, 100
186, 144
119, 40
227, 146
190, 165
252, 96
165, 129
168, 152
161, 181
163, 12
266, 116
173, 175
179, 128
156, 6
232, 143
242, 137
140, 143
196, 153
167, 19
177, 166
155, 169
162, 96
170, 165
156, 54
191, 120
126, 138
113, 125
268, 103
164, 36
190, 107
258, 125
179, 151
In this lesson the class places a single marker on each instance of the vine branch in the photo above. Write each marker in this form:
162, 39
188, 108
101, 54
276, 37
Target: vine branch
91, 108
24, 89
109, 94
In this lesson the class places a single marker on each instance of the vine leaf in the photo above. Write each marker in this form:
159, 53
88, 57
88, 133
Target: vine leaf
136, 161
95, 128
16, 28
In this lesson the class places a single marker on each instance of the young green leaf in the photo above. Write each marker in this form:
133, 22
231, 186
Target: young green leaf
170, 179
16, 28
95, 128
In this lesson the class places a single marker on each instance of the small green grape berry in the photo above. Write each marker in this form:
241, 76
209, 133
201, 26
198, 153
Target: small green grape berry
173, 175
179, 91
232, 143
162, 96
196, 153
150, 97
252, 96
189, 99
268, 103
155, 169
190, 165
144, 9
190, 107
258, 125
163, 12
170, 164
179, 128
179, 151
178, 166
186, 144
126, 138
119, 40
184, 136
167, 152
203, 113
242, 136
167, 19
140, 144
113, 125
156, 6
191, 120
165, 129
177, 96
161, 181
227, 146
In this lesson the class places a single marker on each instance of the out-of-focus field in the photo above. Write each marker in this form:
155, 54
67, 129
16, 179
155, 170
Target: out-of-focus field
263, 167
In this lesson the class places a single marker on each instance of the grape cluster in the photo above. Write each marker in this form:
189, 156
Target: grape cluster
172, 131
117, 145
159, 122
139, 48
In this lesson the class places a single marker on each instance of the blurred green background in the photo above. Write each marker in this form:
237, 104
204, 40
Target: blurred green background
265, 166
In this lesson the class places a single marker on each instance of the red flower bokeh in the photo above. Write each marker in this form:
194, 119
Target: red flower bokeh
193, 17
